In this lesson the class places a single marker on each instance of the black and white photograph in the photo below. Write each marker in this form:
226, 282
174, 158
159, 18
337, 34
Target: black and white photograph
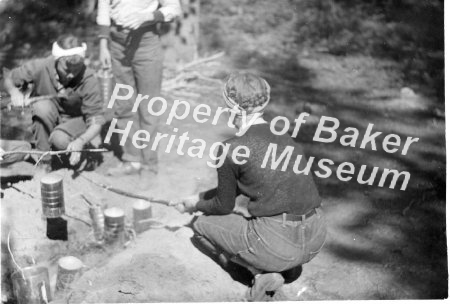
222, 151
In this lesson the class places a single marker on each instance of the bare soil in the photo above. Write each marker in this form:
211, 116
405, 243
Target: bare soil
382, 244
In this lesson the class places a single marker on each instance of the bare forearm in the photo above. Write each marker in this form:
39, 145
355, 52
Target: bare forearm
104, 42
92, 131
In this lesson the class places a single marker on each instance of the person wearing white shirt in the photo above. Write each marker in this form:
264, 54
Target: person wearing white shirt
129, 42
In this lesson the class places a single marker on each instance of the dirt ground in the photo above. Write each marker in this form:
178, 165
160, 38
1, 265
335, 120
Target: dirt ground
382, 243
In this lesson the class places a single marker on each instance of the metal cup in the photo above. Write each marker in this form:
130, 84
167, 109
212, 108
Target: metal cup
114, 225
142, 211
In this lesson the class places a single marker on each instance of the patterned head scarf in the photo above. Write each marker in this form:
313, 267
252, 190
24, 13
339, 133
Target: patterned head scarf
246, 92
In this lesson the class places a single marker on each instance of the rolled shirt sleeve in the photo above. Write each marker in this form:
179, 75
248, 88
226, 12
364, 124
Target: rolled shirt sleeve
92, 106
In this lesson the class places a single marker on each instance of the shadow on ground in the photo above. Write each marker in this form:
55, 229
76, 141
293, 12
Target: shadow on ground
400, 231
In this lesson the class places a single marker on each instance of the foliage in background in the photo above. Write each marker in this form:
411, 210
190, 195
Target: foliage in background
28, 27
408, 32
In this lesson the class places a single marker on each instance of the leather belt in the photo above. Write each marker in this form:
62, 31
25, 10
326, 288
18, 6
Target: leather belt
142, 29
295, 217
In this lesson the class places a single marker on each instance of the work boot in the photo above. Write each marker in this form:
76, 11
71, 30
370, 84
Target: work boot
125, 168
264, 286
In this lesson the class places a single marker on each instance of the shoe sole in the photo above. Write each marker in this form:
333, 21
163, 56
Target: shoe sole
267, 282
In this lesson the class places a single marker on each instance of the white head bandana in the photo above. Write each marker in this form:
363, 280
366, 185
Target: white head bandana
235, 106
59, 52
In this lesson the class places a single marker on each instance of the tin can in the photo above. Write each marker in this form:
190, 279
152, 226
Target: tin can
105, 77
142, 211
69, 268
52, 196
31, 285
114, 225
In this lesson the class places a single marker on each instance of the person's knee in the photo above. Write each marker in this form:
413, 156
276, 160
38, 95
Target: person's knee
45, 114
59, 139
43, 109
203, 243
198, 227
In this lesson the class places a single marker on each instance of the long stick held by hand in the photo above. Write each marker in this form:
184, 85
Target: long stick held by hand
51, 152
45, 153
125, 193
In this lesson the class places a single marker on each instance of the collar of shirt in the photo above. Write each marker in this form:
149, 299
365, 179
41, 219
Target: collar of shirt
257, 121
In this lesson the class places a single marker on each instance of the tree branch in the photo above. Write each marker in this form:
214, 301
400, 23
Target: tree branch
202, 60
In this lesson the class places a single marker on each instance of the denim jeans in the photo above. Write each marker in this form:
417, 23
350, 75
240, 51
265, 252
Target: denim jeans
266, 243
137, 60
53, 128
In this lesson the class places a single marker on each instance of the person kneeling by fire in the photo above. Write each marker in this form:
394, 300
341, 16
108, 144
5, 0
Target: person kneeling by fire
68, 113
283, 226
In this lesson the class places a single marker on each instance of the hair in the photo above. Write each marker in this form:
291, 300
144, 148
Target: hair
247, 90
69, 41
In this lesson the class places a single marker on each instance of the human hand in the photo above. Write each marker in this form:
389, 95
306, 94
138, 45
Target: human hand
75, 145
135, 20
242, 210
241, 206
185, 205
17, 98
105, 55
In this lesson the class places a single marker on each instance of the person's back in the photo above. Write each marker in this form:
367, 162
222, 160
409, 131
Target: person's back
273, 191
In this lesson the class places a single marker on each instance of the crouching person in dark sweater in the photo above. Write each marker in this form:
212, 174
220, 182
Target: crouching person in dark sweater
69, 112
283, 226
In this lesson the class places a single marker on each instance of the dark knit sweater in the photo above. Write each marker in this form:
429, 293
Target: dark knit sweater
271, 192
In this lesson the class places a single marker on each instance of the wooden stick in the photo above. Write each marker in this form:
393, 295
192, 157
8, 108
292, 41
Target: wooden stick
200, 76
51, 152
202, 60
87, 201
45, 153
125, 193
23, 192
12, 256
77, 219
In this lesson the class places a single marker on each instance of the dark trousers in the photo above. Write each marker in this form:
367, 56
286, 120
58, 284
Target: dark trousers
51, 128
137, 60
266, 244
